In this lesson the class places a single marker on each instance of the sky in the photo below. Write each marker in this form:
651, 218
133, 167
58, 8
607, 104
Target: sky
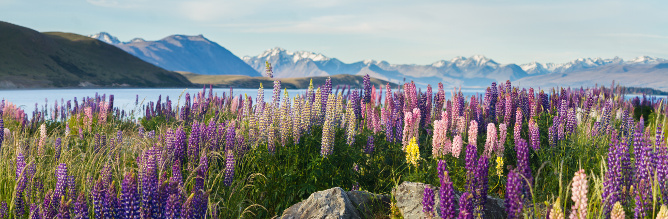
400, 32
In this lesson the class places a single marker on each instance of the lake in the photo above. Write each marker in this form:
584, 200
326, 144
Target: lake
124, 98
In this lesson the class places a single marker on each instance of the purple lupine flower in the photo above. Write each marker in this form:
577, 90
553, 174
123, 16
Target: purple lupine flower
203, 166
471, 157
481, 187
71, 186
513, 198
612, 186
20, 165
81, 134
111, 202
173, 206
465, 206
35, 212
130, 202
523, 167
179, 143
229, 168
4, 210
369, 145
176, 172
428, 202
141, 132
81, 207
447, 198
194, 141
2, 129
229, 137
149, 135
189, 209
61, 183
644, 172
99, 193
367, 88
534, 135
150, 203
58, 148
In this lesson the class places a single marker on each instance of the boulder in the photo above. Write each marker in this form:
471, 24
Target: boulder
409, 201
331, 203
369, 204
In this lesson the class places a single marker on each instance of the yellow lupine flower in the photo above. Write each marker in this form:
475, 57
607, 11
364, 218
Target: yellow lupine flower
499, 166
412, 152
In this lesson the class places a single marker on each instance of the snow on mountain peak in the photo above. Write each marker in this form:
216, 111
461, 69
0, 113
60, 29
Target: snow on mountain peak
137, 40
644, 60
439, 64
105, 37
294, 56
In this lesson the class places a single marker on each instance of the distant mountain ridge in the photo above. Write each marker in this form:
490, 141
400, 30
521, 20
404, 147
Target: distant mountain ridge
475, 71
30, 59
183, 53
176, 53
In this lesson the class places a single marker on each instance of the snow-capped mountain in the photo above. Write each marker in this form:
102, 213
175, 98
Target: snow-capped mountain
195, 54
200, 55
473, 71
105, 37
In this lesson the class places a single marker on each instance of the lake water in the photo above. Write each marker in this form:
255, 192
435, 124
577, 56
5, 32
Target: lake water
125, 98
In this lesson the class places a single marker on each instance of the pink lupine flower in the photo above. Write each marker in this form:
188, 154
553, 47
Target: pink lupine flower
438, 142
461, 125
579, 195
102, 116
492, 139
518, 125
473, 133
88, 120
42, 139
457, 144
502, 139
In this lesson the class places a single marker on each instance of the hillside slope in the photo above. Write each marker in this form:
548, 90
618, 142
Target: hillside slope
54, 59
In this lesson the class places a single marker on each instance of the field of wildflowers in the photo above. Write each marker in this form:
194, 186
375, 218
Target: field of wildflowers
564, 152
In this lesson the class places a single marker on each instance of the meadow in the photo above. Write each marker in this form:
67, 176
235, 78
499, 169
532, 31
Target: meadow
563, 152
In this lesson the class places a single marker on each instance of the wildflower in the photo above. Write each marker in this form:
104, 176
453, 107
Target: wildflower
499, 166
579, 195
534, 137
556, 212
42, 139
428, 202
466, 206
412, 152
439, 139
129, 200
513, 198
457, 144
491, 141
473, 133
618, 212
229, 168
369, 145
81, 208
523, 167
481, 186
502, 139
61, 182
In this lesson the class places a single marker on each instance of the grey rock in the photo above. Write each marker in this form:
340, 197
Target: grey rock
369, 203
331, 203
409, 201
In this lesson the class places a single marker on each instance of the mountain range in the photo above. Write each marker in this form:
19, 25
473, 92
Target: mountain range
195, 54
31, 59
185, 53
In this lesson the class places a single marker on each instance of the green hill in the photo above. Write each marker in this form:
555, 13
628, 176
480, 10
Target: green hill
54, 59
240, 81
